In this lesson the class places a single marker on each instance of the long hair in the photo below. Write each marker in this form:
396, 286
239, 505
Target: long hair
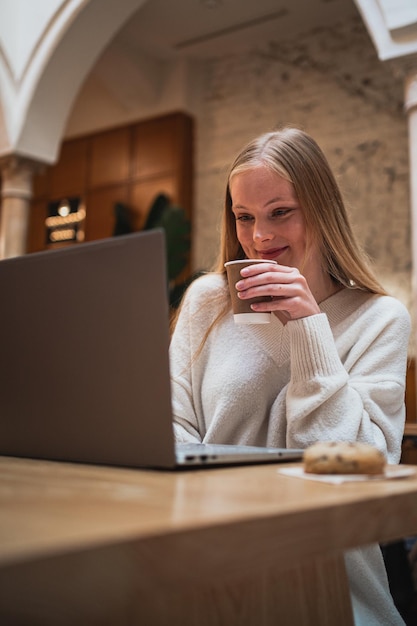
294, 155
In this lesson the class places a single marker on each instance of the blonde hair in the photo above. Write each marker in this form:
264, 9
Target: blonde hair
294, 155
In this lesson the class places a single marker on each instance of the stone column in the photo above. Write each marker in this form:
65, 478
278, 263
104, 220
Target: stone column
16, 194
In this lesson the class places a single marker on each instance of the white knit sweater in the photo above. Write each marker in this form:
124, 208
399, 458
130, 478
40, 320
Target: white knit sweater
338, 375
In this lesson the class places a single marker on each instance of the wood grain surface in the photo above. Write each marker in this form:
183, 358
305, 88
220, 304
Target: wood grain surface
99, 545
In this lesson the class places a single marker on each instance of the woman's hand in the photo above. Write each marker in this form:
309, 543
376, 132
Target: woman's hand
289, 294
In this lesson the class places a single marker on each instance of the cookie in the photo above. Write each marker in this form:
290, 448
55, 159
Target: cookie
332, 457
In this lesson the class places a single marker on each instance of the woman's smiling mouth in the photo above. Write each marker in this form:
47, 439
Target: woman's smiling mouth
272, 253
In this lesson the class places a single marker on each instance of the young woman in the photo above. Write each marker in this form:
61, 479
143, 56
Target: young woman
330, 366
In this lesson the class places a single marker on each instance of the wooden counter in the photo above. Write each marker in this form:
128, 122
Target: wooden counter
95, 545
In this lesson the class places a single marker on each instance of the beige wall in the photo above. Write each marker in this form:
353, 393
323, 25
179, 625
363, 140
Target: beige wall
331, 84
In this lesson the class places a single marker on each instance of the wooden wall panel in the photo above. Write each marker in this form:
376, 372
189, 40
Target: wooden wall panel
41, 183
37, 234
110, 158
69, 176
100, 215
154, 149
130, 164
144, 193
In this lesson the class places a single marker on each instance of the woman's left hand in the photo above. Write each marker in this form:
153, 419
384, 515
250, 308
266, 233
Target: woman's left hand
289, 294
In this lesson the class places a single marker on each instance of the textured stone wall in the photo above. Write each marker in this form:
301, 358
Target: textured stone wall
331, 84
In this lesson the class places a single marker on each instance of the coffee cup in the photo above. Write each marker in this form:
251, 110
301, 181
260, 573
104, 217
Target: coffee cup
242, 312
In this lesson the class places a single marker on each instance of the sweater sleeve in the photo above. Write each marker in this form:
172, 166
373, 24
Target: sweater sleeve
357, 395
199, 309
185, 421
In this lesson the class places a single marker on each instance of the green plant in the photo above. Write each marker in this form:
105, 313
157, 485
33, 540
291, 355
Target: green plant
173, 220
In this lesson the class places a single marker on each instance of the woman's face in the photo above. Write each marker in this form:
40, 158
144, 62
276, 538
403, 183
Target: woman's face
269, 219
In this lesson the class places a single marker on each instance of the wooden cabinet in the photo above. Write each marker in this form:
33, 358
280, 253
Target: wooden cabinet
129, 165
69, 176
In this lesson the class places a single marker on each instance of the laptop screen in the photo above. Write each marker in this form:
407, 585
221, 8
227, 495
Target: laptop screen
84, 370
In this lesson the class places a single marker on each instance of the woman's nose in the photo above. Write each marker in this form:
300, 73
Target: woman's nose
261, 232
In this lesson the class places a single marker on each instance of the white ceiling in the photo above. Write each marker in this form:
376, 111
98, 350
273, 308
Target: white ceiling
206, 28
136, 75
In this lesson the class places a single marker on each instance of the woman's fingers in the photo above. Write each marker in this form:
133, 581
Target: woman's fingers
283, 288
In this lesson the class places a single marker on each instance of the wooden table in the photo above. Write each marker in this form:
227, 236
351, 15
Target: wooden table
245, 546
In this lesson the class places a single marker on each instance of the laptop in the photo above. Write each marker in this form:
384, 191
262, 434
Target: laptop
84, 365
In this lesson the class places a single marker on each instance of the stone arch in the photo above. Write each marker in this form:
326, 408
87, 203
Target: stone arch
35, 105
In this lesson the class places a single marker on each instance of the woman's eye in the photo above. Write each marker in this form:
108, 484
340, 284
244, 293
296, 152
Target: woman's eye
243, 218
281, 212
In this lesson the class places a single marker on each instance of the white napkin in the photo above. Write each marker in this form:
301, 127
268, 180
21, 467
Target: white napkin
395, 471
